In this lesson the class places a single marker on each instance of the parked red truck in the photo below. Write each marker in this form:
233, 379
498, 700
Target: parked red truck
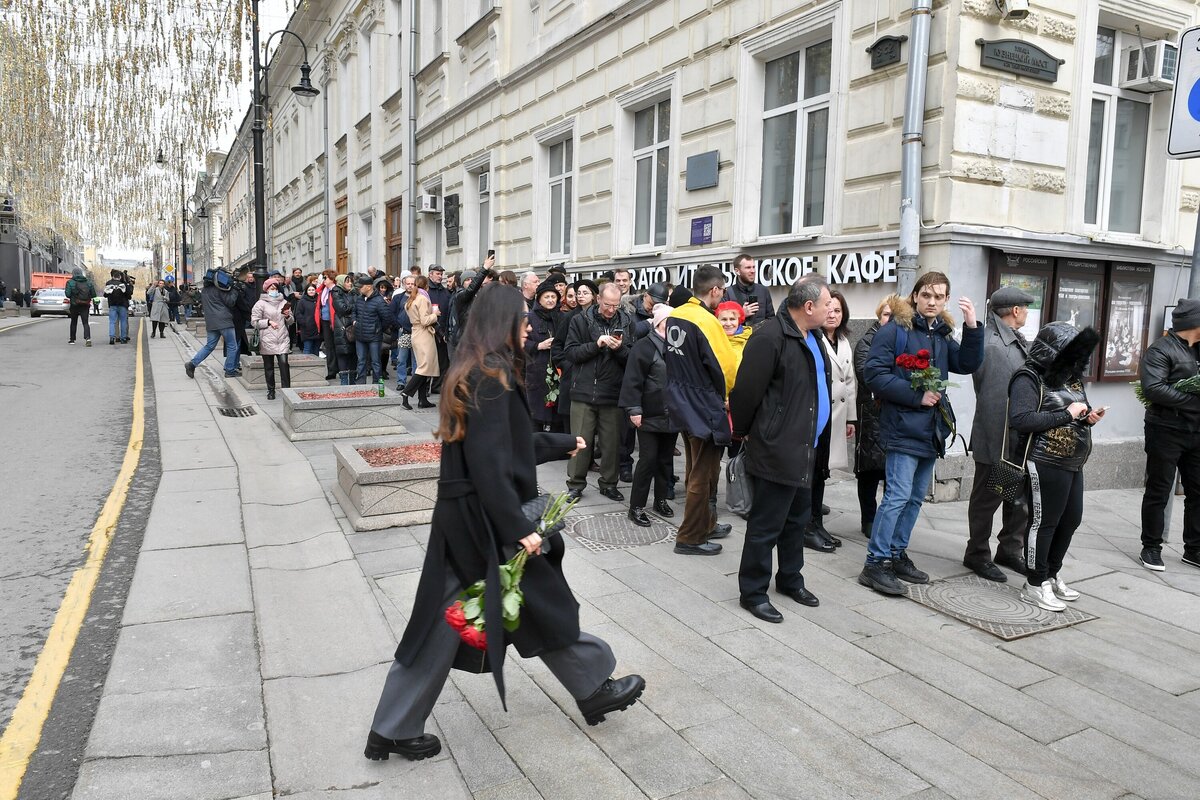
48, 280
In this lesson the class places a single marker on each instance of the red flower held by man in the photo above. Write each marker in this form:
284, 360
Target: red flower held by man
466, 631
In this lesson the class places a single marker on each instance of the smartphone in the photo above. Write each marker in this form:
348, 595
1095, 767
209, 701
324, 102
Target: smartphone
491, 254
618, 332
752, 298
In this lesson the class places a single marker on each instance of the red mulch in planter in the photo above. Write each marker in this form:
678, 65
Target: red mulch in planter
338, 395
424, 453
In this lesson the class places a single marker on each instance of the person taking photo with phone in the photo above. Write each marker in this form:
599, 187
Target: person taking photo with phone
753, 297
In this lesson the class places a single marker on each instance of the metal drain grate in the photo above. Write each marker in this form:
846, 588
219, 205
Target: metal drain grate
242, 411
993, 607
614, 531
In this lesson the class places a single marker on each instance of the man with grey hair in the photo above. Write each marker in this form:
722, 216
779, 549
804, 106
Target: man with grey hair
779, 407
529, 284
598, 343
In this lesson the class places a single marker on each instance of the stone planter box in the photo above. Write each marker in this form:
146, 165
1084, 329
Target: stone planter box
383, 497
307, 371
340, 417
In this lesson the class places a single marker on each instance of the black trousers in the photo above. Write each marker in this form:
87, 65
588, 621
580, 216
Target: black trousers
868, 495
629, 437
1055, 511
778, 516
820, 473
77, 314
285, 371
655, 457
1167, 450
980, 512
331, 356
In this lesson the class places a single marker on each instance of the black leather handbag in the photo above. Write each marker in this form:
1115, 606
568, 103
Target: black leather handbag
1004, 477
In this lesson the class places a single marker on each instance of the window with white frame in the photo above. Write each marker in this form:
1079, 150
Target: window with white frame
483, 185
651, 162
365, 259
561, 156
364, 74
795, 140
1118, 129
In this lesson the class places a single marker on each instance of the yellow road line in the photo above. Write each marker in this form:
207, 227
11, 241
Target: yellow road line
21, 738
18, 325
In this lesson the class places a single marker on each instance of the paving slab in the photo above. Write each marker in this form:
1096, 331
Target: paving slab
946, 767
388, 562
269, 524
201, 479
192, 582
1129, 766
1010, 751
209, 776
520, 789
194, 519
482, 761
318, 621
215, 719
318, 551
185, 654
201, 454
1153, 600
279, 484
685, 604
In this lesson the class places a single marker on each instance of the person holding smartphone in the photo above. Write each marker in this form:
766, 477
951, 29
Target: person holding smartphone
1049, 408
753, 297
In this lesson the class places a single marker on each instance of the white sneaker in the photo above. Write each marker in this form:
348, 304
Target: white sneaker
1042, 596
1064, 592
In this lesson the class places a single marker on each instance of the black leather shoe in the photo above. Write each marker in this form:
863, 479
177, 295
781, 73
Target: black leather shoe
1010, 562
702, 549
612, 696
270, 394
613, 493
881, 578
829, 538
404, 402
574, 494
824, 510
424, 746
802, 596
662, 509
426, 404
638, 517
626, 476
720, 531
815, 541
190, 369
988, 571
764, 611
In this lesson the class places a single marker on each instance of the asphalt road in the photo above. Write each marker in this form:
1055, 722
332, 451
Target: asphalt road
68, 410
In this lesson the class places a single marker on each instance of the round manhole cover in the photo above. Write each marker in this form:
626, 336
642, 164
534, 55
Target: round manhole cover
992, 607
614, 531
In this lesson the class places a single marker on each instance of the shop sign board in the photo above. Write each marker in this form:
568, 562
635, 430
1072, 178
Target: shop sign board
839, 268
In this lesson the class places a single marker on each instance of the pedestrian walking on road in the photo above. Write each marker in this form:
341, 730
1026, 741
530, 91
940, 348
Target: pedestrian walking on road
160, 312
1172, 435
780, 407
271, 316
1005, 351
1048, 406
218, 304
118, 291
913, 423
80, 291
488, 474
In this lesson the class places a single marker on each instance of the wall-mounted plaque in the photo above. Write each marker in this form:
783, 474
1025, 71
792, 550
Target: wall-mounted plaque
886, 51
1019, 58
450, 219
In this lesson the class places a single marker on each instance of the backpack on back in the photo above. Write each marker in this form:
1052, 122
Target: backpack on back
81, 293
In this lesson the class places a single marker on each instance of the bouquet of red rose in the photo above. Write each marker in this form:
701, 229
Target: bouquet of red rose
466, 614
924, 377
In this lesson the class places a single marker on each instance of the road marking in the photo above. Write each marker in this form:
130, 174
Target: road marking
21, 738
19, 325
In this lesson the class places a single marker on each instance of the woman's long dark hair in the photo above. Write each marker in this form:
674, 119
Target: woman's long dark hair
491, 347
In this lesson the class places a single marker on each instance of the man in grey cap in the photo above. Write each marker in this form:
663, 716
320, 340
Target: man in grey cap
1172, 435
1004, 352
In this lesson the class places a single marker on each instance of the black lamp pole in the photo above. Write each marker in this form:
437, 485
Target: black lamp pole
305, 91
181, 269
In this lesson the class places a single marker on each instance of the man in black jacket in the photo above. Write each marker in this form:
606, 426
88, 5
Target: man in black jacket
780, 406
439, 297
118, 291
753, 297
598, 344
1172, 435
460, 303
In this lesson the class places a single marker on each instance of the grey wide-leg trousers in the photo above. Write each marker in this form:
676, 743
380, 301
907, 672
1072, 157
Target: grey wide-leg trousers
410, 692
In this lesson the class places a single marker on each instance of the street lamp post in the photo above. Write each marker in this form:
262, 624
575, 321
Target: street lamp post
305, 92
181, 265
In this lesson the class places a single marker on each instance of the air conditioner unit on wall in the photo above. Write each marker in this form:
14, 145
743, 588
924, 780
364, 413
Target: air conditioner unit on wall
427, 203
1150, 68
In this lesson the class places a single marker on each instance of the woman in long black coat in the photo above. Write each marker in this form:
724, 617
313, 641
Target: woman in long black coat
488, 473
869, 458
542, 320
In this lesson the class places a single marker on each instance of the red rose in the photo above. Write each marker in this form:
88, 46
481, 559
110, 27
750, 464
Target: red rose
455, 616
922, 353
474, 637
922, 363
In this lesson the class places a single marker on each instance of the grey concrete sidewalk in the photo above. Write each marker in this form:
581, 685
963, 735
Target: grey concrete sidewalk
260, 625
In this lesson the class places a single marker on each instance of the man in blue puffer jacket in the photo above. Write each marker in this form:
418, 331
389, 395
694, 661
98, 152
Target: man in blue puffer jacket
913, 425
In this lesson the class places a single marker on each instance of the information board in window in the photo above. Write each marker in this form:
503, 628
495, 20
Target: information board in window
1034, 285
1128, 317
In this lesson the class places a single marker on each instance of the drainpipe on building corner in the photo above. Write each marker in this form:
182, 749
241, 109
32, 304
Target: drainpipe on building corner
912, 141
410, 252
